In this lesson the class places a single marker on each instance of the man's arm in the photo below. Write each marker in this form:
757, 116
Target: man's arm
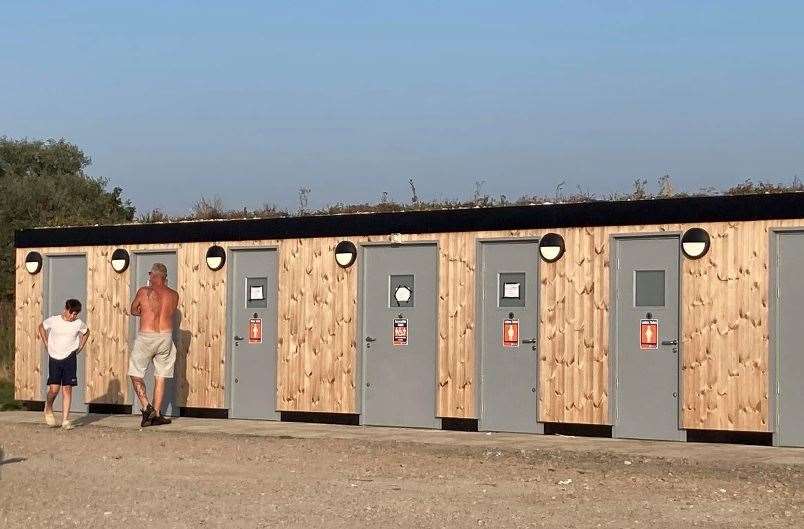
136, 305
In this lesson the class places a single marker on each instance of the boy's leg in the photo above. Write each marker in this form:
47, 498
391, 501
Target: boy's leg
52, 393
66, 398
54, 378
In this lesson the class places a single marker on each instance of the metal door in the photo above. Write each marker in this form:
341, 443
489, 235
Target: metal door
647, 379
141, 265
66, 278
398, 293
509, 304
789, 348
253, 354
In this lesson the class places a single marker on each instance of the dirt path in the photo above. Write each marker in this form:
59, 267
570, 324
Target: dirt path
101, 477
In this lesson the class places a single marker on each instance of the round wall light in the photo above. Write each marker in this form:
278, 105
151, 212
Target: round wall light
695, 243
345, 254
33, 262
551, 247
120, 260
216, 257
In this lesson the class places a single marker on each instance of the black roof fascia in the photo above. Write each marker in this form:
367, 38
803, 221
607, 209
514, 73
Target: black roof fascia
586, 214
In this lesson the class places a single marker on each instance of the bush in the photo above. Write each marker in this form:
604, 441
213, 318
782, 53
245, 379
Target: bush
6, 341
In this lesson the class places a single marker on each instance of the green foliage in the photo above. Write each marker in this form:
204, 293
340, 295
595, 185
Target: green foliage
6, 345
7, 401
43, 183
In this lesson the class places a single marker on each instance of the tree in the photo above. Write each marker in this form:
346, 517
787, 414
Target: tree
43, 183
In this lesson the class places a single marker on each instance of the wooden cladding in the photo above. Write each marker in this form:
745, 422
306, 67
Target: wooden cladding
28, 299
724, 310
317, 328
724, 326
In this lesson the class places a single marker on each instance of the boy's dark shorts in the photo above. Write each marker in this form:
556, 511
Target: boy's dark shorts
63, 372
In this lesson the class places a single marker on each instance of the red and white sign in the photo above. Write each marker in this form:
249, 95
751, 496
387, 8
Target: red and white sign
401, 331
648, 334
510, 333
255, 330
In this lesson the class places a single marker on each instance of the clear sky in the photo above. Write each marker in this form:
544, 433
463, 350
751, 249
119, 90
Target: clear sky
174, 100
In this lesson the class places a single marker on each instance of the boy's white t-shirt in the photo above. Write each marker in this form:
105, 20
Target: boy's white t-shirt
63, 336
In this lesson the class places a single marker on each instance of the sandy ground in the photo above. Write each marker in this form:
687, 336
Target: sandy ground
103, 477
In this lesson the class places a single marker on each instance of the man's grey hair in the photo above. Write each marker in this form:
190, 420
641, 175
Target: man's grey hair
161, 269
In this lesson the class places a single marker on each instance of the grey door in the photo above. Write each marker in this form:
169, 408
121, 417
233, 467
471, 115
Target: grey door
399, 330
509, 288
647, 380
253, 295
141, 265
789, 348
66, 278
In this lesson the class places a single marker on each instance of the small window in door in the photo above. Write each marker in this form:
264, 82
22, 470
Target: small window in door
649, 288
511, 289
256, 292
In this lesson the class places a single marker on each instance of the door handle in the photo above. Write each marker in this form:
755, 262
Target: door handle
669, 342
369, 339
531, 340
238, 338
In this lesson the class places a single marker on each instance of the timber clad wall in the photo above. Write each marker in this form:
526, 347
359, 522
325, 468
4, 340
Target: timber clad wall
724, 325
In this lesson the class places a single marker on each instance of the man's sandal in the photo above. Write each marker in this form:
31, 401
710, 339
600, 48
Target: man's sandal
147, 416
159, 421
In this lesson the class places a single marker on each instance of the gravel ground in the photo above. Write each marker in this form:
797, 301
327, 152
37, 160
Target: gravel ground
101, 477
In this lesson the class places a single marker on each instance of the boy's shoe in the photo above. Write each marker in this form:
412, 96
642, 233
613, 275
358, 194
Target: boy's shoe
158, 420
148, 415
66, 425
50, 419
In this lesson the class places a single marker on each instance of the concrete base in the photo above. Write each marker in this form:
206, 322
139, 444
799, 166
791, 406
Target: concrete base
737, 454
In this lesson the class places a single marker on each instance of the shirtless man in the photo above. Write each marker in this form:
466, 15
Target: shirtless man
155, 305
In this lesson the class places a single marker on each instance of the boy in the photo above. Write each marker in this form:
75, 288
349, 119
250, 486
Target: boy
65, 335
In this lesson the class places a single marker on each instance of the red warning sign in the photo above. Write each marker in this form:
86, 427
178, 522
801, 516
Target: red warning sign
401, 331
255, 330
648, 334
510, 333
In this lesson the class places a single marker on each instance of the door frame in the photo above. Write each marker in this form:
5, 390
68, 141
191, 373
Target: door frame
479, 357
131, 398
360, 334
774, 358
85, 310
614, 348
230, 250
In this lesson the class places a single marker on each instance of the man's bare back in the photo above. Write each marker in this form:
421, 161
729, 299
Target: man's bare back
156, 306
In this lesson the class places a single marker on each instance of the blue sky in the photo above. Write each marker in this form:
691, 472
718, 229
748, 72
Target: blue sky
174, 100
